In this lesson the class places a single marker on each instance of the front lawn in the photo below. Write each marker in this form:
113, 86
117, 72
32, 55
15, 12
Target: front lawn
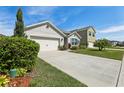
121, 48
112, 54
49, 76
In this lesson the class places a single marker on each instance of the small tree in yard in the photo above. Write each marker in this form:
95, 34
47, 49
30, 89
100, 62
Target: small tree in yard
19, 28
102, 44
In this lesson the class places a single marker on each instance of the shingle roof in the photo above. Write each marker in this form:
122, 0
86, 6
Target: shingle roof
67, 33
83, 29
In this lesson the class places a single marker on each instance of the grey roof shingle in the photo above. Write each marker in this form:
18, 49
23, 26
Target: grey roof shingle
82, 29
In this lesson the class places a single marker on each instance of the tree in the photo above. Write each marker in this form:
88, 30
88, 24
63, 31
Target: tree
102, 44
19, 28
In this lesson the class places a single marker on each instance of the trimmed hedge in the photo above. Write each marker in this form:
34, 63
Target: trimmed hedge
62, 48
74, 48
17, 52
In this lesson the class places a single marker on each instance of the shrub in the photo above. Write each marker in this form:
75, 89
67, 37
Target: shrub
62, 48
74, 48
21, 72
17, 52
3, 81
82, 46
102, 44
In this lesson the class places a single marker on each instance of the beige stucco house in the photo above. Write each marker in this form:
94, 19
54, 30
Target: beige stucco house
50, 37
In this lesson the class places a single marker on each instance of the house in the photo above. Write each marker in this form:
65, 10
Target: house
50, 37
114, 43
2, 35
120, 43
87, 36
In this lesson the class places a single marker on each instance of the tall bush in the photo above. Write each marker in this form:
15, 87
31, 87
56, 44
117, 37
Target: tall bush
17, 52
19, 26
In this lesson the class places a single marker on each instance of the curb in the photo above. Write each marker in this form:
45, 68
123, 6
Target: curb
120, 79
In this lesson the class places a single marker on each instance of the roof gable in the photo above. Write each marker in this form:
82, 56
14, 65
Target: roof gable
43, 23
75, 34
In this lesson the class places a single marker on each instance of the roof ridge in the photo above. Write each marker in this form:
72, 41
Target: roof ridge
84, 28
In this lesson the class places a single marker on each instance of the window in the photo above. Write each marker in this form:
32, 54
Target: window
74, 41
89, 33
93, 34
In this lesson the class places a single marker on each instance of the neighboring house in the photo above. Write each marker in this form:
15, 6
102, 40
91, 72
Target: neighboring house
120, 43
114, 43
87, 36
2, 35
50, 37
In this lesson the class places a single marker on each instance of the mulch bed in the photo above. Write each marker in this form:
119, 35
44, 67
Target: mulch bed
20, 81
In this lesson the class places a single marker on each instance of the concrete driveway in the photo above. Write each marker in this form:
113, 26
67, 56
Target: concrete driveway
90, 70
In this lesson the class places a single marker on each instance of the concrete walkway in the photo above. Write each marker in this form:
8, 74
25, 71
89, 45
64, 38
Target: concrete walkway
90, 70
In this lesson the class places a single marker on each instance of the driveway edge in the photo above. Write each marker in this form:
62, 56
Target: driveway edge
120, 79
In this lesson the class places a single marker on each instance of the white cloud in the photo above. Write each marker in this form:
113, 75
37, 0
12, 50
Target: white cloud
5, 29
47, 13
113, 29
41, 10
6, 23
40, 13
61, 21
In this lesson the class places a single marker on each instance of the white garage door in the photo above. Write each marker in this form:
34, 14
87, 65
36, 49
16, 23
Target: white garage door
90, 45
47, 45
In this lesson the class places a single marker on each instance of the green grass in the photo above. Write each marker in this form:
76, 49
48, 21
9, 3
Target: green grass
122, 48
112, 54
51, 77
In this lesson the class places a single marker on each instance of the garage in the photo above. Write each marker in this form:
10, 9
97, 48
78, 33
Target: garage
90, 45
47, 44
46, 34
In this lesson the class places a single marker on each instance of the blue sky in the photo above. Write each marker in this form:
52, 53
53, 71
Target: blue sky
108, 21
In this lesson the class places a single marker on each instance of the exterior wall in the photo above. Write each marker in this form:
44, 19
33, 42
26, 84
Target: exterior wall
86, 39
90, 44
73, 36
83, 34
91, 38
44, 31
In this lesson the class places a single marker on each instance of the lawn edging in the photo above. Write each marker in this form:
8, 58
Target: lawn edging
120, 79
